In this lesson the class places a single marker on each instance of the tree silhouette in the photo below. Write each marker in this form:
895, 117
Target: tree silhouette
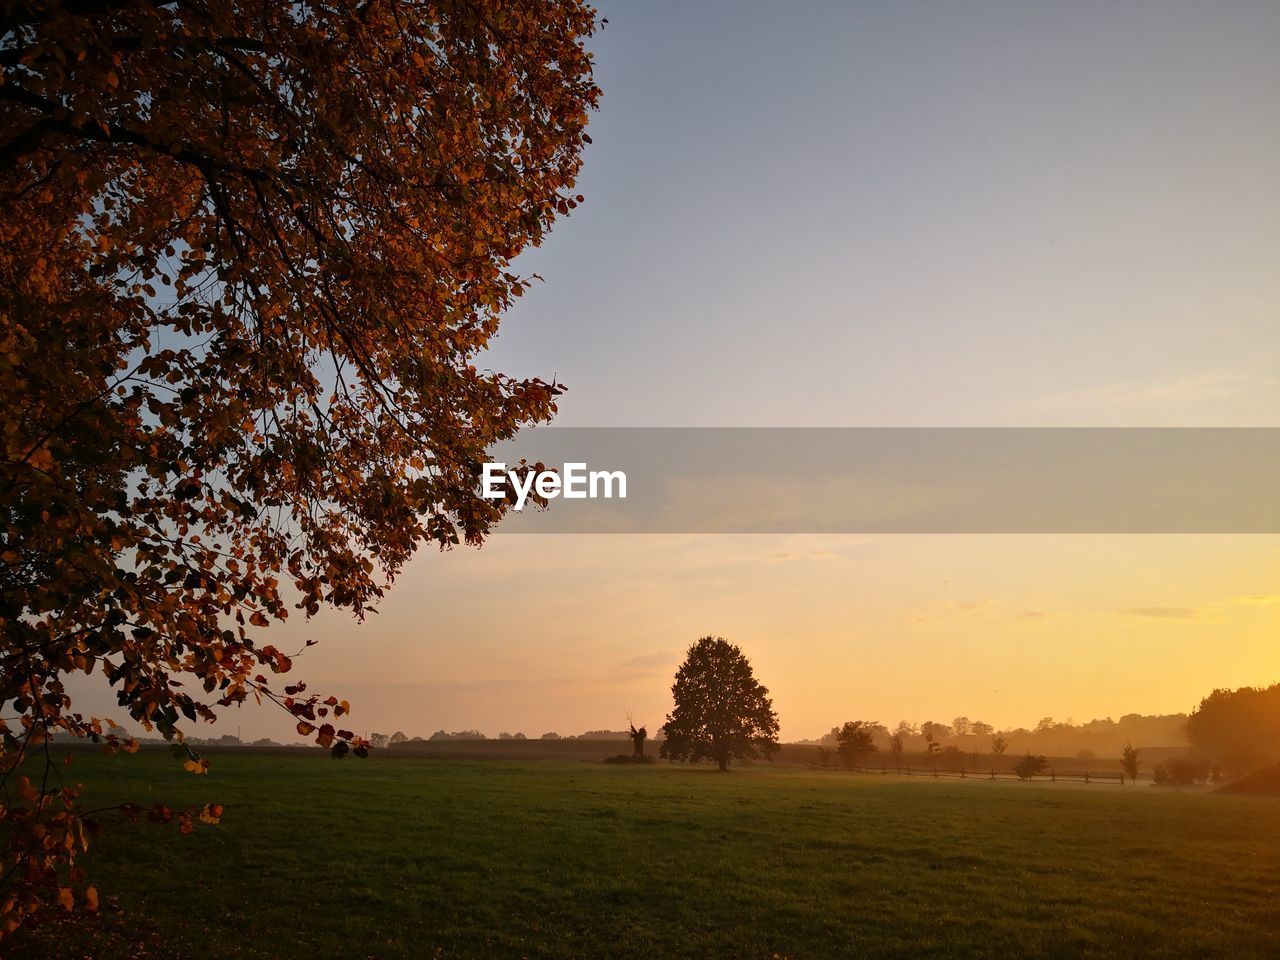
638, 737
1030, 766
721, 711
1130, 763
998, 746
248, 255
855, 740
895, 747
1238, 728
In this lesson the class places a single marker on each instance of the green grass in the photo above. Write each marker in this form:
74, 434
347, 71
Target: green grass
410, 858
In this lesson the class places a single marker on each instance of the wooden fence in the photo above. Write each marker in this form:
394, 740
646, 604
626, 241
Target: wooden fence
1069, 776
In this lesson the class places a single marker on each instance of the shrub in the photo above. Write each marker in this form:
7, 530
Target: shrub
1181, 772
1030, 766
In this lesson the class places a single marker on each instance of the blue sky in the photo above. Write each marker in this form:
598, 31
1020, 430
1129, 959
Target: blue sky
920, 214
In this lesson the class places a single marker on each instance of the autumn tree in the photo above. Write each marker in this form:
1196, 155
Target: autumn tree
1130, 763
855, 740
721, 712
249, 253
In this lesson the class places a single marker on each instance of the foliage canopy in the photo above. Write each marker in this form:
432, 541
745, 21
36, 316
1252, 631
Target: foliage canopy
248, 255
721, 712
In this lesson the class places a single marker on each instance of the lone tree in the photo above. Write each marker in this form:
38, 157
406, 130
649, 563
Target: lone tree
1130, 763
855, 740
999, 745
249, 254
721, 711
1030, 766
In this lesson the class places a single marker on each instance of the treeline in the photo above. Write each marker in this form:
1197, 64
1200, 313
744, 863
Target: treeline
393, 739
1097, 738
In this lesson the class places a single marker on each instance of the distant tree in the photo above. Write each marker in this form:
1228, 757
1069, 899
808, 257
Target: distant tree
1030, 766
378, 740
855, 740
398, 737
980, 729
550, 736
1239, 729
1181, 772
1045, 725
962, 726
1130, 763
458, 735
505, 736
906, 730
930, 739
519, 736
998, 746
895, 748
721, 711
935, 731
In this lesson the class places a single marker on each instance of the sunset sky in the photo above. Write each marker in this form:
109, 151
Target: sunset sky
872, 214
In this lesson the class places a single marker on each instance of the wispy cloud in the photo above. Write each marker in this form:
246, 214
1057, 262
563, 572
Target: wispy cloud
651, 661
1162, 613
787, 557
1264, 600
951, 611
1184, 390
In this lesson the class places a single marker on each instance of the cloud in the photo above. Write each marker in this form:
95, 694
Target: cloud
1185, 390
1161, 613
650, 661
1267, 600
810, 555
1028, 615
950, 611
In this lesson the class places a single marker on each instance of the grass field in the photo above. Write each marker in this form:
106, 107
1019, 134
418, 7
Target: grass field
413, 858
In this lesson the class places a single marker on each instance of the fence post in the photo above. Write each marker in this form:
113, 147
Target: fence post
935, 773
1086, 776
1053, 775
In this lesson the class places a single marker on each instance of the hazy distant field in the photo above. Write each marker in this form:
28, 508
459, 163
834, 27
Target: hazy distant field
408, 859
